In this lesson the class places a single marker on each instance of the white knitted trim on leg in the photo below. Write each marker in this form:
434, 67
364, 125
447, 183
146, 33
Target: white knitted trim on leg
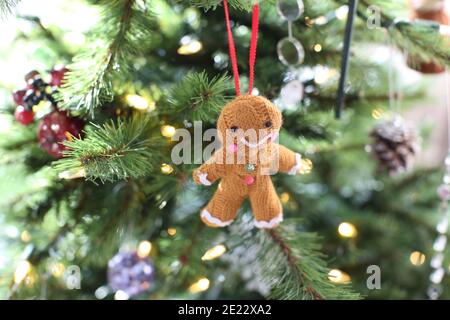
298, 164
203, 179
269, 224
217, 222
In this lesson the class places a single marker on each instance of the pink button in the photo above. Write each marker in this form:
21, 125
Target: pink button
249, 180
233, 148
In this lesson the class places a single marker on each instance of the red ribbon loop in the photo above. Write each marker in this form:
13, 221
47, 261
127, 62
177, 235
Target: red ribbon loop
253, 45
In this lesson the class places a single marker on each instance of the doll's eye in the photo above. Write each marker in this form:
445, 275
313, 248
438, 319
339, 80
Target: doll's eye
234, 128
268, 124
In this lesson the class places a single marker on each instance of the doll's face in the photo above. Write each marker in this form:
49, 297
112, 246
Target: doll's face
251, 120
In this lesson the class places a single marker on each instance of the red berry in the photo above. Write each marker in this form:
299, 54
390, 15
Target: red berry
18, 96
55, 128
57, 76
24, 116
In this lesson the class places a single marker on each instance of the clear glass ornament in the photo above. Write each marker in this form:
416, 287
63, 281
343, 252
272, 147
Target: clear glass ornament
290, 10
290, 51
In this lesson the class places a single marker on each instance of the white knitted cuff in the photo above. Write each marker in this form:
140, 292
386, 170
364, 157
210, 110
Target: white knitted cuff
203, 179
214, 221
269, 224
298, 164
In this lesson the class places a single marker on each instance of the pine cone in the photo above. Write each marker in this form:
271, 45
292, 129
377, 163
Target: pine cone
394, 145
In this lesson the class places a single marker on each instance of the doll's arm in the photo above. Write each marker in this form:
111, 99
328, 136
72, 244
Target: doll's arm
289, 161
211, 170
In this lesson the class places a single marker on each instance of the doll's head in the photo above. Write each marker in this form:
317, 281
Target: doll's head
253, 120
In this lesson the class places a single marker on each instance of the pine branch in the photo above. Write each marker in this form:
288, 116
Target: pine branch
123, 31
114, 151
7, 6
417, 38
237, 4
290, 262
198, 98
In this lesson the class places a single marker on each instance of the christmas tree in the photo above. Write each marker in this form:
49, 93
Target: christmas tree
93, 205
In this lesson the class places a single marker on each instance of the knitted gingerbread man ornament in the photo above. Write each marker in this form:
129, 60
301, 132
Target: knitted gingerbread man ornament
247, 127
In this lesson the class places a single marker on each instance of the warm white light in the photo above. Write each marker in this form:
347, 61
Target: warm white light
322, 75
189, 46
341, 12
25, 236
317, 47
22, 270
72, 174
121, 295
214, 252
306, 166
199, 286
166, 168
56, 269
284, 197
139, 102
377, 113
144, 249
417, 258
320, 20
347, 230
338, 276
168, 131
172, 231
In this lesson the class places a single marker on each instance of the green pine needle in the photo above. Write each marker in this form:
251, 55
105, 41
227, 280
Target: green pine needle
198, 98
114, 151
290, 262
7, 6
123, 31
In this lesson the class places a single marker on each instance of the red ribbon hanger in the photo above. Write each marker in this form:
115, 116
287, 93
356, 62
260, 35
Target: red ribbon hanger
253, 45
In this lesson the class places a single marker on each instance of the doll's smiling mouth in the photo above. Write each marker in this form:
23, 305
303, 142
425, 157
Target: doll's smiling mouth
269, 137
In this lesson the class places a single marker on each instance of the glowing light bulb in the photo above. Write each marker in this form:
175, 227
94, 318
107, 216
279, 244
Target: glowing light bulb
56, 269
139, 102
377, 113
341, 12
322, 75
417, 258
172, 231
317, 47
22, 270
214, 252
168, 131
144, 249
166, 168
320, 20
201, 285
189, 46
347, 230
25, 236
338, 276
284, 197
306, 166
121, 295
72, 174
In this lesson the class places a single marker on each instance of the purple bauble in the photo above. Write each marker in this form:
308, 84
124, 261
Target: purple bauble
130, 273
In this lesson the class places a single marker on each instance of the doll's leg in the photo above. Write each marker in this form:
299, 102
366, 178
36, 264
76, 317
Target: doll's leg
265, 203
222, 208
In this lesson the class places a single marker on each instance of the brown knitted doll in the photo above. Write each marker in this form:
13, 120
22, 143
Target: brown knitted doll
247, 127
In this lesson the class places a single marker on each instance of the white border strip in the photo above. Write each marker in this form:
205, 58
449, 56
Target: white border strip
208, 217
269, 225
